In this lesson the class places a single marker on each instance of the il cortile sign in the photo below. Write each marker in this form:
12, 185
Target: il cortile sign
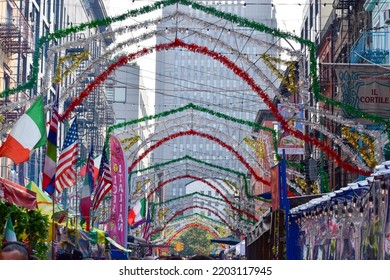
366, 88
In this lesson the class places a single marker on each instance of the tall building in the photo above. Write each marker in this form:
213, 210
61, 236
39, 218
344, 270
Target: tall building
184, 77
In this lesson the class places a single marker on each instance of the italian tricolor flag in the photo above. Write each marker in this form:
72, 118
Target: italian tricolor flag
9, 233
27, 134
138, 212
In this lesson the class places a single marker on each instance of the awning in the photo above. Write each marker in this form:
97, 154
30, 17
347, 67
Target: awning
117, 245
229, 240
17, 194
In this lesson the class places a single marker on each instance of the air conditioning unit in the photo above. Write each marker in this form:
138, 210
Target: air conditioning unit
386, 16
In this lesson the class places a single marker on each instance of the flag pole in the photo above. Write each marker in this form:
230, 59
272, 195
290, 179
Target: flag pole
76, 210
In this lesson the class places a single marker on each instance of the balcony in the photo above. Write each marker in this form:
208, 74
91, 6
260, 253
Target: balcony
371, 47
16, 35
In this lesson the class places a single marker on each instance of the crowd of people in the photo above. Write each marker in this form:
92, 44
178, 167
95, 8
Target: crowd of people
16, 250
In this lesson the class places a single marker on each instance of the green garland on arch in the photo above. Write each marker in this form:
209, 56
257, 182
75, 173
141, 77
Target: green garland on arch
209, 10
243, 175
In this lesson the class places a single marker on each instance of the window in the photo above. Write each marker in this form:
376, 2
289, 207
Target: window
120, 95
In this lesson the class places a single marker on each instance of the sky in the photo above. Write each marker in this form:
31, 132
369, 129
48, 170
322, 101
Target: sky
288, 12
289, 15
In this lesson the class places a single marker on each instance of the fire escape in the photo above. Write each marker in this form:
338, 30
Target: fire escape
16, 39
16, 35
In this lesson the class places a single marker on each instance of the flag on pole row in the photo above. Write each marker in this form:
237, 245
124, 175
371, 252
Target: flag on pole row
49, 169
66, 172
9, 232
28, 133
104, 183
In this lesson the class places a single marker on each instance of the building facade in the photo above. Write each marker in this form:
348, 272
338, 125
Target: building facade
184, 77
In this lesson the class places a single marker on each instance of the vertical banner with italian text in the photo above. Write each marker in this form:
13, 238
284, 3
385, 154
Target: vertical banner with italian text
118, 217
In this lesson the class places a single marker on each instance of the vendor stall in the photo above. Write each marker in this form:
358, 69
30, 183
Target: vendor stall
350, 223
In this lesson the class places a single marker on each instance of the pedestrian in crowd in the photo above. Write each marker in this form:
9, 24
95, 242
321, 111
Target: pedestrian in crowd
175, 257
33, 257
77, 255
63, 255
14, 250
201, 257
148, 257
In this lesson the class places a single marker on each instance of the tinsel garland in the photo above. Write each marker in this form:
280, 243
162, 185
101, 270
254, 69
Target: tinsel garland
192, 106
187, 157
212, 11
366, 150
203, 135
256, 146
288, 82
231, 185
198, 216
76, 59
241, 73
188, 208
174, 200
249, 215
130, 141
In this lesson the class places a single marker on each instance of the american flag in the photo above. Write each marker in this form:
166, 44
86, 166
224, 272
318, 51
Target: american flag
66, 173
104, 183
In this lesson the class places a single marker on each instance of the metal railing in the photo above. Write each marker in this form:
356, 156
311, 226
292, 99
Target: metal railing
16, 35
371, 47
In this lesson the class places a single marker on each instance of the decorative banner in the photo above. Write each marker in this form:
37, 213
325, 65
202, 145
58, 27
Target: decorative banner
119, 199
161, 214
130, 141
288, 142
177, 43
365, 87
232, 186
76, 58
289, 81
257, 146
140, 187
364, 144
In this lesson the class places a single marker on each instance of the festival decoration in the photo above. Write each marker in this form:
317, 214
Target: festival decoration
130, 142
233, 18
364, 144
289, 81
204, 135
188, 208
210, 185
239, 72
257, 147
76, 58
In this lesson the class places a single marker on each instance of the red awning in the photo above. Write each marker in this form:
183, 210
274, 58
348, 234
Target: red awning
17, 194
